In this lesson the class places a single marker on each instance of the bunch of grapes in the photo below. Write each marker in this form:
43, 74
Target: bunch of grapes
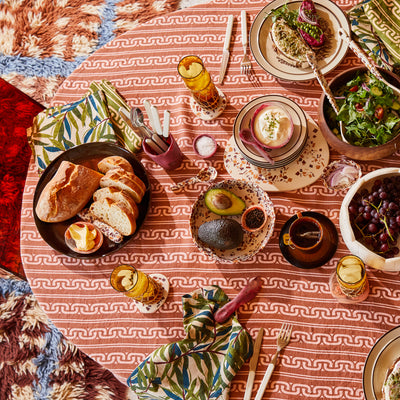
375, 216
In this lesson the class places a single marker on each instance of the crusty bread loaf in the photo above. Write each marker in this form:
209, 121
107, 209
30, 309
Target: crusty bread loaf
114, 214
67, 192
126, 181
114, 162
117, 195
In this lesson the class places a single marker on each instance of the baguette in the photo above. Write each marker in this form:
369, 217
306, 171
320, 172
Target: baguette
117, 195
114, 214
114, 162
67, 192
126, 181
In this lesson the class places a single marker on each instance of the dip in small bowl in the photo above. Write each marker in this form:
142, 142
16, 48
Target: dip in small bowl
271, 126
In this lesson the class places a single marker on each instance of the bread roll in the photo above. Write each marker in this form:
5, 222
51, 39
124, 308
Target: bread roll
114, 162
126, 181
67, 192
117, 195
114, 214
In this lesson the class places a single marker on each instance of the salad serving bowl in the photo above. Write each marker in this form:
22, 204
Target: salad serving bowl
327, 124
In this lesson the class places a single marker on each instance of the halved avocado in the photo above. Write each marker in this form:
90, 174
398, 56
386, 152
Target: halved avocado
224, 202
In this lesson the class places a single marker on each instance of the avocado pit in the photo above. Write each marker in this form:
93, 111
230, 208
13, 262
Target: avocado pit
223, 202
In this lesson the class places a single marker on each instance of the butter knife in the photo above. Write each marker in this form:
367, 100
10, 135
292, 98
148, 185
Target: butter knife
225, 52
253, 365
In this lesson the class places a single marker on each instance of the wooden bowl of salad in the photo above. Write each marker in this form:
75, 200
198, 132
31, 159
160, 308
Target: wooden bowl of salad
370, 112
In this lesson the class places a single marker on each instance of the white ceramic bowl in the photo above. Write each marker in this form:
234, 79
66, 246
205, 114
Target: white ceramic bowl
370, 258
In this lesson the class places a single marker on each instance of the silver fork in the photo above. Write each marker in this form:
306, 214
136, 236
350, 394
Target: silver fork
282, 341
245, 65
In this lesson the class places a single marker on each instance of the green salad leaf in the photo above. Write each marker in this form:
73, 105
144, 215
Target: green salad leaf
369, 111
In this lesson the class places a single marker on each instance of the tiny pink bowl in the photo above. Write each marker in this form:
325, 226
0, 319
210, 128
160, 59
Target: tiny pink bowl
253, 118
71, 242
195, 146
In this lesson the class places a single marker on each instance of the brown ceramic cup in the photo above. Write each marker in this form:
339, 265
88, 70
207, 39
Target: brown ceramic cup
305, 233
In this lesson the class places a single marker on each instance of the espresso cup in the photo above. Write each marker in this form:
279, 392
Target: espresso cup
305, 233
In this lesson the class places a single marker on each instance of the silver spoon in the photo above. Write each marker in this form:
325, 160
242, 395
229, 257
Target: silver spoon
207, 174
137, 119
246, 136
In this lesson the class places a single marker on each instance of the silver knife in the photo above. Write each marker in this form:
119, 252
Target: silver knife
225, 52
253, 365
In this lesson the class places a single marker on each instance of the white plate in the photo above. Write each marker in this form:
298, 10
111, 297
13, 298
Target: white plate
253, 242
329, 56
283, 155
381, 357
303, 171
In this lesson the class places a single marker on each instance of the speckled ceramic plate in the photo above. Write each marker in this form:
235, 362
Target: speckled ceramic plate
380, 358
303, 171
284, 155
329, 56
253, 242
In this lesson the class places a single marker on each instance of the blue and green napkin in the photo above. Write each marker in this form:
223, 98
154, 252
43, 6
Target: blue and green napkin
203, 364
94, 118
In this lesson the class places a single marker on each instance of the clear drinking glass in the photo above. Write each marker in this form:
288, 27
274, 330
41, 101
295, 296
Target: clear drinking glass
199, 82
136, 284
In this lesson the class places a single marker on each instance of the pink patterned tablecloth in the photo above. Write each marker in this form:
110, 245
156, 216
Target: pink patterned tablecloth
330, 341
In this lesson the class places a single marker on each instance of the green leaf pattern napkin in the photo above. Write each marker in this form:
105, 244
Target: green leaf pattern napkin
125, 134
59, 128
376, 27
202, 365
94, 118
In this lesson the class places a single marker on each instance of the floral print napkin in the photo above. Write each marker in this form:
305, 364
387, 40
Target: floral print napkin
376, 26
203, 364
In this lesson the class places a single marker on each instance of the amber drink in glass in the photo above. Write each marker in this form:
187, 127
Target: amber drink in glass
198, 81
136, 284
351, 276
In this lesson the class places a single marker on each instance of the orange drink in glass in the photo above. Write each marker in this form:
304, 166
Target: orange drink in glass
198, 81
136, 284
351, 276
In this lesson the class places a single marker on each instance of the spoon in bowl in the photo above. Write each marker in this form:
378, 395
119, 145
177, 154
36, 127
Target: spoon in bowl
207, 174
246, 137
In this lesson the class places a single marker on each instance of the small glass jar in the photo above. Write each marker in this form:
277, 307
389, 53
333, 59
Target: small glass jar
349, 283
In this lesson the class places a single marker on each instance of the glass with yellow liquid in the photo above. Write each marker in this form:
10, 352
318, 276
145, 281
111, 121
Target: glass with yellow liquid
199, 82
136, 284
351, 280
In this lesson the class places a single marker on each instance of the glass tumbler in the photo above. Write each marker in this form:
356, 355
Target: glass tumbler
136, 284
198, 81
351, 277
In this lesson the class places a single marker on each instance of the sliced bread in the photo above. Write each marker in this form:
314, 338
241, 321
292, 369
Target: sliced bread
117, 195
114, 214
114, 162
126, 181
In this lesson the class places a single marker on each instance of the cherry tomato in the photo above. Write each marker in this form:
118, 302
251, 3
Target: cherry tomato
379, 112
354, 88
359, 107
